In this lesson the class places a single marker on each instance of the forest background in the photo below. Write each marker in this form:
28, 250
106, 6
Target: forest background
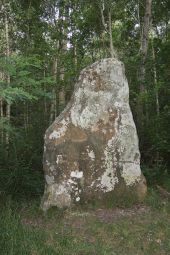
44, 44
43, 47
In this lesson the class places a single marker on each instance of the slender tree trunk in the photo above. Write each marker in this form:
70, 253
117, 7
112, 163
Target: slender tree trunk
155, 81
53, 107
75, 57
142, 67
25, 117
1, 116
62, 89
112, 52
1, 112
109, 29
102, 8
63, 50
8, 106
156, 96
45, 101
144, 45
138, 16
58, 101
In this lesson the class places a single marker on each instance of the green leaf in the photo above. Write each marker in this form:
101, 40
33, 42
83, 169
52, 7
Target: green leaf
11, 95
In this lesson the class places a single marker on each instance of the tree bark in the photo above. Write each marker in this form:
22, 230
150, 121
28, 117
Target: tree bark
144, 44
107, 28
1, 116
8, 106
155, 81
53, 107
75, 57
2, 111
112, 52
63, 49
142, 102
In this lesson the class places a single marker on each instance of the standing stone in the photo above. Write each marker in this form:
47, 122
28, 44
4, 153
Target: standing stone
91, 150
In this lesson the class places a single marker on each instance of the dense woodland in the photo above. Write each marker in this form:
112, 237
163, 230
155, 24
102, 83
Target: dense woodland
44, 44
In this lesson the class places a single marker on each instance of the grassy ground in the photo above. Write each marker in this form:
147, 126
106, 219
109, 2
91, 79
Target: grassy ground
138, 230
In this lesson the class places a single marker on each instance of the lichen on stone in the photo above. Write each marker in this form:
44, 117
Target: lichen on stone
61, 130
92, 149
76, 174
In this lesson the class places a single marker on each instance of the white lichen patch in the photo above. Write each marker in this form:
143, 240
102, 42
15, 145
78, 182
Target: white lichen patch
129, 141
91, 154
108, 181
117, 104
60, 131
77, 199
131, 173
62, 188
91, 113
109, 178
62, 197
77, 174
59, 158
58, 195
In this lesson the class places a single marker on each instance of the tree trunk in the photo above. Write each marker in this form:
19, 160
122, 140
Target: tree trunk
2, 112
112, 52
75, 57
1, 116
144, 45
155, 81
142, 103
109, 29
156, 97
8, 106
53, 107
63, 50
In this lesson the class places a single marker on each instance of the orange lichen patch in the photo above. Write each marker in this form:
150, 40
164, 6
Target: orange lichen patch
72, 133
76, 134
73, 152
109, 134
105, 127
73, 164
112, 115
99, 83
104, 133
57, 125
59, 140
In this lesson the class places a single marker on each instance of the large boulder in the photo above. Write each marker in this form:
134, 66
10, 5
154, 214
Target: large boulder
91, 150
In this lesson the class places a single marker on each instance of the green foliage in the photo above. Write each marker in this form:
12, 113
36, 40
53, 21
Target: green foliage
11, 95
156, 173
21, 181
6, 126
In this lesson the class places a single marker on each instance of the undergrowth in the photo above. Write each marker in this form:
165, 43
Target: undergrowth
25, 230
